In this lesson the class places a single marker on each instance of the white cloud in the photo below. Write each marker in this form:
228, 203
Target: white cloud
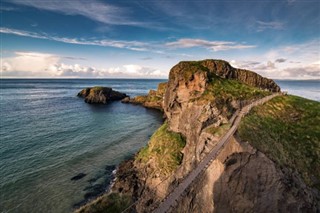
131, 45
135, 45
298, 61
273, 25
5, 8
33, 64
211, 45
254, 65
94, 10
303, 72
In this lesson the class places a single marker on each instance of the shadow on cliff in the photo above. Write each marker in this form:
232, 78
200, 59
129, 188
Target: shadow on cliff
253, 183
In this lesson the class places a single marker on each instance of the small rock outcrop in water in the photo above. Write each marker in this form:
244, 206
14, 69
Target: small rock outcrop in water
100, 95
78, 176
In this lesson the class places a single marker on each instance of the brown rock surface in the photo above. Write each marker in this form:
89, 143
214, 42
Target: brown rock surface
241, 178
154, 99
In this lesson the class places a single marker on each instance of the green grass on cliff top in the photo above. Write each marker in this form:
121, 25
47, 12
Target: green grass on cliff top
163, 152
221, 88
98, 88
287, 130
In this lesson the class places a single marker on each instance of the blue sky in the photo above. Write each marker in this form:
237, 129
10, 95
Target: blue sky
144, 39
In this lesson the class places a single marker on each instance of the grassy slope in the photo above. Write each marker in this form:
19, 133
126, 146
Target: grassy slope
218, 131
163, 151
287, 130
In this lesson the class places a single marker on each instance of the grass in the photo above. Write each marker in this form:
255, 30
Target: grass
218, 131
162, 88
141, 98
147, 98
97, 88
225, 89
193, 67
111, 203
222, 92
163, 152
287, 130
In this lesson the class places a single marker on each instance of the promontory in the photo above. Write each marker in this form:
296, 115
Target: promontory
231, 142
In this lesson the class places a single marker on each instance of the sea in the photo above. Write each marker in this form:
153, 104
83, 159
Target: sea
49, 137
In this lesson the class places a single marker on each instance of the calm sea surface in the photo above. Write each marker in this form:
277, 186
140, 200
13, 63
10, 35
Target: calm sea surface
308, 88
48, 135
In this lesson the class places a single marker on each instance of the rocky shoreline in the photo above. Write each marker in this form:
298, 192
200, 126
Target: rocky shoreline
198, 101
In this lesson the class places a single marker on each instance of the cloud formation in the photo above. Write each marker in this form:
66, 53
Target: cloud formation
308, 71
94, 10
136, 45
280, 60
254, 65
273, 25
131, 45
33, 64
211, 45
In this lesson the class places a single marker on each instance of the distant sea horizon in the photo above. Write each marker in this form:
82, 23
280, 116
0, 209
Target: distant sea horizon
292, 86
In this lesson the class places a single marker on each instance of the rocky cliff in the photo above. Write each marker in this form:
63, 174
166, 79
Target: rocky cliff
199, 102
100, 95
153, 99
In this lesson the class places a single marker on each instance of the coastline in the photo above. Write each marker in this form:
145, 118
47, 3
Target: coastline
185, 95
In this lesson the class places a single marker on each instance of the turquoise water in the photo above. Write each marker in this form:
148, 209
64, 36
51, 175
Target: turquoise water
48, 135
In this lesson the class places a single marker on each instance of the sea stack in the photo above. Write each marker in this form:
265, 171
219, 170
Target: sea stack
100, 95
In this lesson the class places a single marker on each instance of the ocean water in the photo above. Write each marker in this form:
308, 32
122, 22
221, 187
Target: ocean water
305, 88
48, 135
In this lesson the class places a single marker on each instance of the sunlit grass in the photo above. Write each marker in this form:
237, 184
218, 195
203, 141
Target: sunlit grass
163, 151
287, 130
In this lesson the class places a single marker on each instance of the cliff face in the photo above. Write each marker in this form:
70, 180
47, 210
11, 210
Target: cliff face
205, 94
154, 99
199, 102
243, 179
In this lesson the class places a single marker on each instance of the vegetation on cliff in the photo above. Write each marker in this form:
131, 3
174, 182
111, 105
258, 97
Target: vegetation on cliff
223, 69
152, 100
163, 152
287, 130
111, 203
229, 89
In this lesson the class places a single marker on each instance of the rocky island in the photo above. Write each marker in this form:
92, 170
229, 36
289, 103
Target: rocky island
270, 162
100, 95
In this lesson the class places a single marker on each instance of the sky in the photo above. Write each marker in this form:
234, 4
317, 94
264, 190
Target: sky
278, 39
